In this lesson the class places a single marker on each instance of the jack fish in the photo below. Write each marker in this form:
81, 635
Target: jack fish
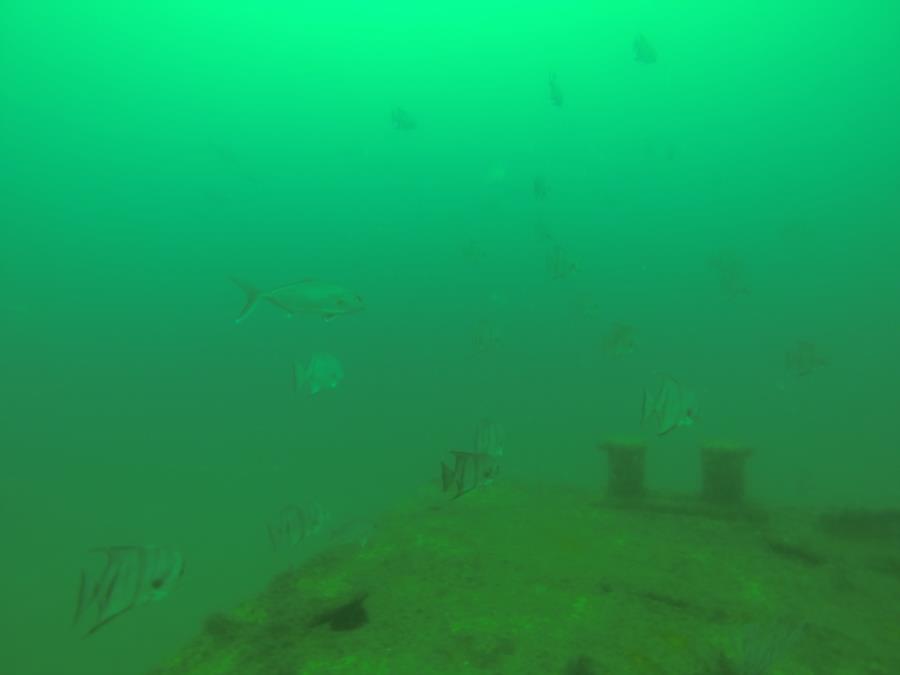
304, 297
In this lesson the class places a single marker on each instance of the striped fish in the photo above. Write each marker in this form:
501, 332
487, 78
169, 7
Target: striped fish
132, 576
668, 407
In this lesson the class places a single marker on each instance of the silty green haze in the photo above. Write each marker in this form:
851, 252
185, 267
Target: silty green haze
730, 200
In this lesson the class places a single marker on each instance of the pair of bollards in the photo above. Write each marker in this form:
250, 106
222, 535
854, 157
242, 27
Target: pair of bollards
723, 468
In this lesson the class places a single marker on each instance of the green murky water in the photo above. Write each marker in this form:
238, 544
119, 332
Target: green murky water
502, 185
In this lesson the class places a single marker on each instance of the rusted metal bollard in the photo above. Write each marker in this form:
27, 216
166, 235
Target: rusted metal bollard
723, 473
626, 460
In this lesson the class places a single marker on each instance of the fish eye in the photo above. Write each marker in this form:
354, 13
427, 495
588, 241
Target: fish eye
157, 583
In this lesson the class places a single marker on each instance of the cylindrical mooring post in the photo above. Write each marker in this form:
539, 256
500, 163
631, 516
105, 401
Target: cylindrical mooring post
723, 473
626, 468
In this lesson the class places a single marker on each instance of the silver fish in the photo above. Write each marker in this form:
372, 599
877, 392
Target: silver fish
473, 252
293, 525
402, 120
132, 576
668, 407
805, 358
619, 341
559, 266
488, 337
470, 470
288, 528
542, 228
731, 271
556, 93
304, 297
539, 188
644, 52
587, 305
324, 371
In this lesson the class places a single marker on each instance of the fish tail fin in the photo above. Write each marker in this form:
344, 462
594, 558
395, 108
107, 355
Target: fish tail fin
253, 296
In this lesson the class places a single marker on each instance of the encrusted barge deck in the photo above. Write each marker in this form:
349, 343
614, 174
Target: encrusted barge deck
515, 579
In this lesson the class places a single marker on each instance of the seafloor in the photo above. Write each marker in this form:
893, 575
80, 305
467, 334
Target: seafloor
512, 579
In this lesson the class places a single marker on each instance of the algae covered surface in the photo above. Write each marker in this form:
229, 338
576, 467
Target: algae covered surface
522, 579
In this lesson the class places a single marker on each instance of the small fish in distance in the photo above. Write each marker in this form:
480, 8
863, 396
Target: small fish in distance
619, 341
556, 93
539, 188
644, 52
487, 337
402, 120
559, 265
805, 358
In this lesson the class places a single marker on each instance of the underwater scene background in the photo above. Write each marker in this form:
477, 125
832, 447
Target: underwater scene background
503, 184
